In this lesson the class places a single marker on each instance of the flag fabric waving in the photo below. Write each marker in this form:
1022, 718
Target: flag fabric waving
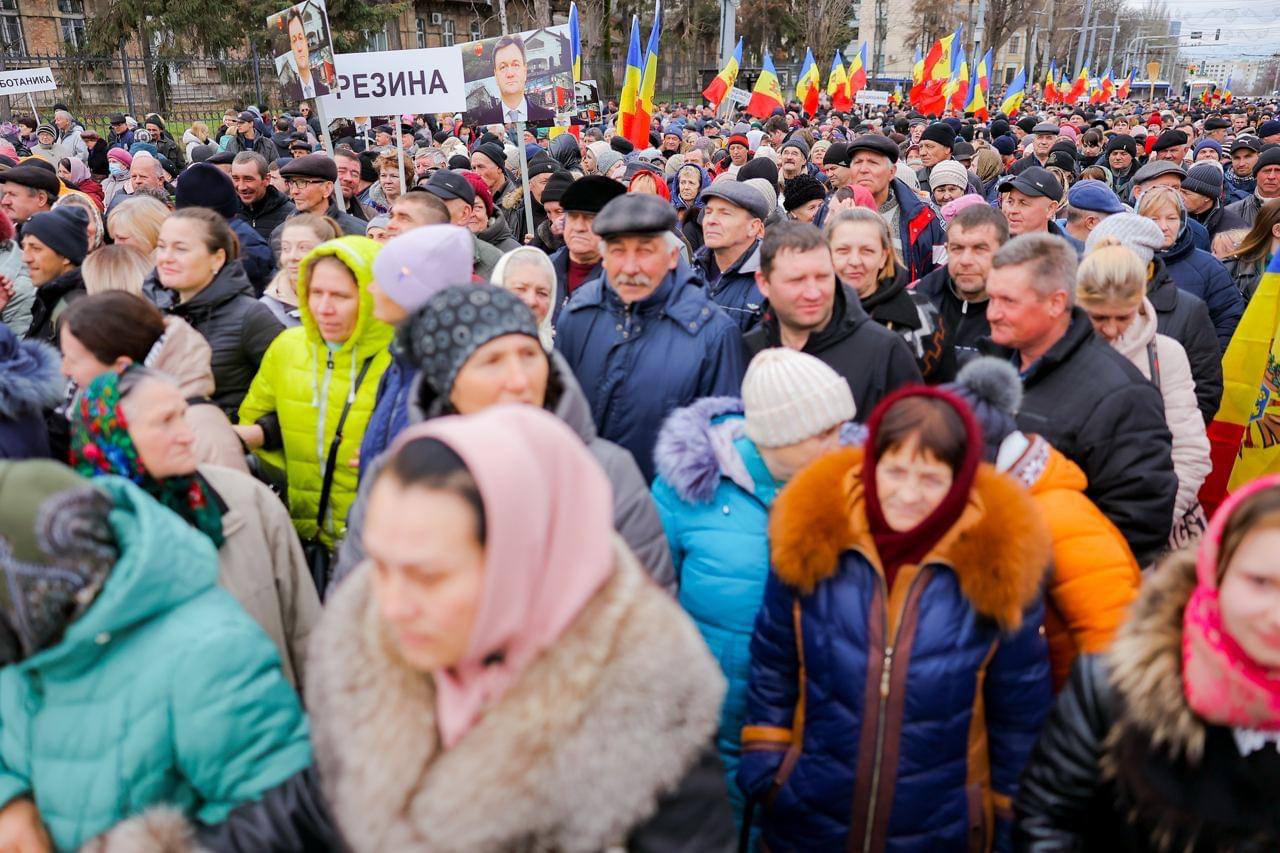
858, 71
639, 135
977, 103
630, 82
1051, 83
1244, 437
719, 87
1080, 85
808, 83
767, 95
984, 72
960, 86
1226, 90
575, 43
1123, 91
838, 86
1013, 95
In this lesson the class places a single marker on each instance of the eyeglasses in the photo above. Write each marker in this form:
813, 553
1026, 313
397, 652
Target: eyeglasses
299, 183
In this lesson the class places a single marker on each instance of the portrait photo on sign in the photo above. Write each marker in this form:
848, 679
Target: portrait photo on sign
303, 50
519, 77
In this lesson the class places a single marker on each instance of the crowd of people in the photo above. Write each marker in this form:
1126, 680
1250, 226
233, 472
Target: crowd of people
808, 483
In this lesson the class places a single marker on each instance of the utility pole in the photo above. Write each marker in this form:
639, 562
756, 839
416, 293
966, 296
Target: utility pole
1048, 42
728, 29
1093, 35
1115, 34
1027, 52
878, 36
1084, 22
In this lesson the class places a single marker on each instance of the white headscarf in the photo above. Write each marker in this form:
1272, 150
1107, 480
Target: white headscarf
539, 259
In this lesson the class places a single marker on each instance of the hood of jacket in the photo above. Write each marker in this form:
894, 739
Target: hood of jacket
564, 148
230, 282
184, 354
1182, 247
370, 335
163, 562
564, 760
1161, 291
31, 378
1142, 331
999, 548
695, 448
189, 138
497, 231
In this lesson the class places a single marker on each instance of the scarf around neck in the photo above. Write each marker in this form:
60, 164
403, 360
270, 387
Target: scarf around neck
1221, 682
101, 444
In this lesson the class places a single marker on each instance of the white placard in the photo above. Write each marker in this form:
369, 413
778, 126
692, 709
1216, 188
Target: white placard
738, 96
27, 80
425, 80
872, 96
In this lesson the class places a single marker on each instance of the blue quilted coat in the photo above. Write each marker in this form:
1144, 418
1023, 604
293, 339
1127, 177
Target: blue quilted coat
1201, 274
895, 720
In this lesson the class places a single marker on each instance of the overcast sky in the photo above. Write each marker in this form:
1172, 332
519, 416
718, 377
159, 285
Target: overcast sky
1250, 28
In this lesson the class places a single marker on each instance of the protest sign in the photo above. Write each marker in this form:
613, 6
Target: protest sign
388, 82
871, 96
303, 50
587, 99
26, 80
520, 77
738, 96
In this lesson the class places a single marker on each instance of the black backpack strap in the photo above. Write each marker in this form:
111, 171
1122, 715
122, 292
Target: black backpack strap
332, 460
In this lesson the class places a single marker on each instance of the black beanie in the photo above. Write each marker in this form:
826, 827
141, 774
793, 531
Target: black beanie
998, 128
1270, 156
941, 133
205, 185
1204, 179
459, 161
494, 152
801, 190
1121, 142
621, 144
1027, 123
759, 167
65, 230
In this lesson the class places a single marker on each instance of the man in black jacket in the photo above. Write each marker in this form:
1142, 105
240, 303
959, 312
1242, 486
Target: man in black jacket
261, 205
808, 310
1081, 395
959, 290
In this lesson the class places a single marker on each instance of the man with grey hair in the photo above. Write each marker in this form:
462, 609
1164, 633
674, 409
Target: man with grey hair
1081, 395
69, 135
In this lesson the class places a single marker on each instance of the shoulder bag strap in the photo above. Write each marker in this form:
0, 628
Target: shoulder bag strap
332, 459
1153, 361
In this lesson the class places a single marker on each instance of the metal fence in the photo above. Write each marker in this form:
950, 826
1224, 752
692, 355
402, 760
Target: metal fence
182, 90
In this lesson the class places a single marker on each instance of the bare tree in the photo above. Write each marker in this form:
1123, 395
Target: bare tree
1006, 17
930, 21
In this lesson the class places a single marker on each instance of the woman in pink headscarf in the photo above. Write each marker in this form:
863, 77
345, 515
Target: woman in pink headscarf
1171, 740
500, 673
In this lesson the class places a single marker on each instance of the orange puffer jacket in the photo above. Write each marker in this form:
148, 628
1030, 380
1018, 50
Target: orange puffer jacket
1095, 576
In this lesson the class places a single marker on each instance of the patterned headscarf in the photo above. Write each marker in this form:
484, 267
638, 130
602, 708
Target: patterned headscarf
101, 444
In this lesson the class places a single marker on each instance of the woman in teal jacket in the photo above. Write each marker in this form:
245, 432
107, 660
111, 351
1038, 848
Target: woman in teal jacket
714, 488
130, 679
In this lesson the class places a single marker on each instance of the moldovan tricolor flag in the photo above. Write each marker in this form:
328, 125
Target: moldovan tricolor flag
1051, 83
1014, 94
1244, 438
838, 86
977, 97
767, 95
1123, 91
1079, 87
630, 82
858, 71
808, 84
639, 135
960, 95
575, 43
719, 87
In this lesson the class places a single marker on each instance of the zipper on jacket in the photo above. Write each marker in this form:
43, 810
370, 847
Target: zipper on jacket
885, 676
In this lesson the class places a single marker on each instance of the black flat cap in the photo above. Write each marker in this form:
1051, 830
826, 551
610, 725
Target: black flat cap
1155, 169
34, 177
636, 213
1045, 127
446, 185
739, 195
1216, 123
311, 166
1169, 139
116, 118
1034, 180
963, 150
221, 158
873, 142
591, 193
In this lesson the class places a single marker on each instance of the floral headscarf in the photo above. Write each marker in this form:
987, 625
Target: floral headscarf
101, 444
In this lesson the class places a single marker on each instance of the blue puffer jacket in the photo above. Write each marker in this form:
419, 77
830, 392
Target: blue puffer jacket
894, 721
637, 363
391, 411
1201, 274
734, 289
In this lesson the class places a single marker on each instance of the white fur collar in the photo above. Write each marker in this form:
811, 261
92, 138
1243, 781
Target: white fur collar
571, 758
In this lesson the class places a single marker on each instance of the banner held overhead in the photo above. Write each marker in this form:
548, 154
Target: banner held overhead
388, 82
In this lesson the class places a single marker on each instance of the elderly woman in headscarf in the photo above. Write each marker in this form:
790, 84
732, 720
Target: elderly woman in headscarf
131, 423
564, 149
527, 273
499, 673
591, 157
75, 174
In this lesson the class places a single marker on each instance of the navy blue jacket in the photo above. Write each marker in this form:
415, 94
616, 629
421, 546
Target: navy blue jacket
903, 730
1201, 274
391, 411
30, 385
734, 289
255, 254
920, 230
637, 363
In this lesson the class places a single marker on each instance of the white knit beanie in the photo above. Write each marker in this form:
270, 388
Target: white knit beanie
1137, 233
948, 173
789, 396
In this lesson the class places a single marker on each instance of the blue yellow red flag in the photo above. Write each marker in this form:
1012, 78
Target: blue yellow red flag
767, 94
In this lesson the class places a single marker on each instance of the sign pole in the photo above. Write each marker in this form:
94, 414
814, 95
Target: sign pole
328, 146
524, 182
400, 153
34, 111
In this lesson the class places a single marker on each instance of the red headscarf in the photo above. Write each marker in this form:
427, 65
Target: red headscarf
899, 548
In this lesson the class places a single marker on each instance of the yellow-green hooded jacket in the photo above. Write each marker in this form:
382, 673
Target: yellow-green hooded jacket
305, 384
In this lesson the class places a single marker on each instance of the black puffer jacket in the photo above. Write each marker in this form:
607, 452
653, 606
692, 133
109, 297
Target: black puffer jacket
872, 359
266, 214
1090, 403
1098, 780
909, 314
238, 328
961, 326
51, 300
1185, 318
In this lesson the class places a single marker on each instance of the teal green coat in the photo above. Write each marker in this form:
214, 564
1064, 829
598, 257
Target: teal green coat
163, 691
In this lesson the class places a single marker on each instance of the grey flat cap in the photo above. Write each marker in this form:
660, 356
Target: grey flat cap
637, 213
741, 195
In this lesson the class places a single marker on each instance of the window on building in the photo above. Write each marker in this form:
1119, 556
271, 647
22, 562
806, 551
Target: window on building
10, 29
375, 41
72, 31
1015, 43
476, 34
422, 32
448, 35
71, 7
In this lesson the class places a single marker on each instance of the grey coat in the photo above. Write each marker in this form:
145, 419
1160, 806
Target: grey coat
634, 515
17, 313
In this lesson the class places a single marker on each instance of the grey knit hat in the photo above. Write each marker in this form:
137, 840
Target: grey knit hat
790, 396
606, 160
453, 324
1137, 233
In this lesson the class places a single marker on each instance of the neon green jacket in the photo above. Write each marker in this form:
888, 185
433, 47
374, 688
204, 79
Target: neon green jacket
306, 385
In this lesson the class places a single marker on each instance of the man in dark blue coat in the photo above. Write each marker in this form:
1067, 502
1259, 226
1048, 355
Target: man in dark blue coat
644, 339
732, 224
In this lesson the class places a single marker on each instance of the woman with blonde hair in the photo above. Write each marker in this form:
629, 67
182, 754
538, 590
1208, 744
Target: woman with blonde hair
136, 222
115, 267
197, 134
1111, 287
301, 233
